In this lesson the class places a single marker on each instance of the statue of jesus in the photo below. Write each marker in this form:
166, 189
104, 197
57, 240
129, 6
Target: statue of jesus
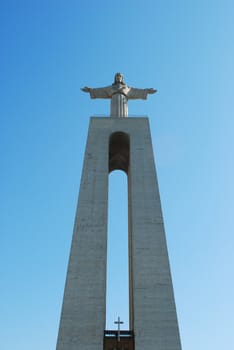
119, 93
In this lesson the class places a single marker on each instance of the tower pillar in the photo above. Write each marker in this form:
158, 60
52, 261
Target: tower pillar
119, 143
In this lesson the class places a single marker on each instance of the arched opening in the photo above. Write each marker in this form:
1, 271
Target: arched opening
118, 285
119, 146
117, 298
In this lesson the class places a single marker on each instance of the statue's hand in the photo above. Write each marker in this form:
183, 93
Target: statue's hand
86, 89
151, 91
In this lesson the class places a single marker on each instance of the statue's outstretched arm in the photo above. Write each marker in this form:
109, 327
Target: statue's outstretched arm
105, 92
135, 93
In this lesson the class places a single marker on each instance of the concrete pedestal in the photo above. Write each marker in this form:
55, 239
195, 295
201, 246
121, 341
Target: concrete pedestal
119, 143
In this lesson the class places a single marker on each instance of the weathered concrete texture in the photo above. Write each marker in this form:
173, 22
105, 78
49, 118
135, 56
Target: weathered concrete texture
83, 312
152, 308
154, 314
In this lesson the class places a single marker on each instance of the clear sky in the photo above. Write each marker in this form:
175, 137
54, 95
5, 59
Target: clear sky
49, 49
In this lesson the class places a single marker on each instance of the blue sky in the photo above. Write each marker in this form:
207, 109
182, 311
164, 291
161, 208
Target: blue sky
49, 49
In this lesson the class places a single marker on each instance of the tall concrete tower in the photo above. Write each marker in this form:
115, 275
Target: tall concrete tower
121, 143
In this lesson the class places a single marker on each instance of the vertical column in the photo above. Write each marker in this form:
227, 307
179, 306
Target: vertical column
154, 314
83, 313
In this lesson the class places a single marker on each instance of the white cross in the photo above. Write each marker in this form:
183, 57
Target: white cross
119, 323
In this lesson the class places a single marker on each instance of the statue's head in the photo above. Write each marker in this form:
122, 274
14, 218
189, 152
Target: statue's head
119, 79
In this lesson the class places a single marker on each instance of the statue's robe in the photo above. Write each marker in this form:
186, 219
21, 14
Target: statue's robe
119, 95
